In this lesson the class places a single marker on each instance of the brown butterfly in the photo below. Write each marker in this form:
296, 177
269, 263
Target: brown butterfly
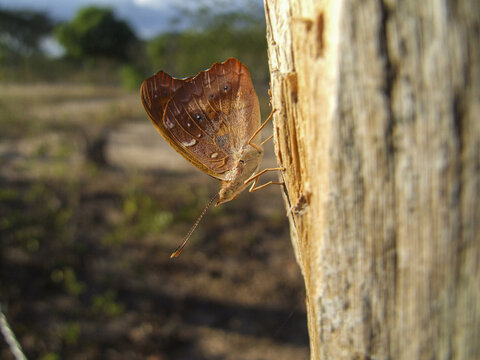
213, 121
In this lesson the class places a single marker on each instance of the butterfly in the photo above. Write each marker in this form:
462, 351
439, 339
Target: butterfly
213, 121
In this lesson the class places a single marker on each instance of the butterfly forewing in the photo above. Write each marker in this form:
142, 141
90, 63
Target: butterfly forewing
212, 118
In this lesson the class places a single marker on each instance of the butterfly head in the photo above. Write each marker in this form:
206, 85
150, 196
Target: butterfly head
247, 165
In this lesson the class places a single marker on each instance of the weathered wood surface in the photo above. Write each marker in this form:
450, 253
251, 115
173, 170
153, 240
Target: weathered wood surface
378, 126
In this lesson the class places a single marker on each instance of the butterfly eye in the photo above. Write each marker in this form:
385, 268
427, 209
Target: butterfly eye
198, 117
225, 88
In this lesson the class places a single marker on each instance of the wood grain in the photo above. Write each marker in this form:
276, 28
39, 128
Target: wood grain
378, 126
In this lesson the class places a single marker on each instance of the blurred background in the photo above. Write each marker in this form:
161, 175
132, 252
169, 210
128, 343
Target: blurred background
93, 201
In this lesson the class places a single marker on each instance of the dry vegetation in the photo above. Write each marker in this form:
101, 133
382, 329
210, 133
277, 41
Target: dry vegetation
92, 201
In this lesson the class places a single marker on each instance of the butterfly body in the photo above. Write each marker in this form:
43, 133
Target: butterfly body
210, 120
249, 160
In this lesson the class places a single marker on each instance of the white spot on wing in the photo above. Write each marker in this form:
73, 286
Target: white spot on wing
168, 123
189, 143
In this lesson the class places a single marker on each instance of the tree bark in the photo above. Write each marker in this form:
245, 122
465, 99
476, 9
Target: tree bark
378, 127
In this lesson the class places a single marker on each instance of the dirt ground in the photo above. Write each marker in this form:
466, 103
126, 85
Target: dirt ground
93, 201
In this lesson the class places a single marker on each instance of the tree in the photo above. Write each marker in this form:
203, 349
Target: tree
377, 126
21, 32
96, 32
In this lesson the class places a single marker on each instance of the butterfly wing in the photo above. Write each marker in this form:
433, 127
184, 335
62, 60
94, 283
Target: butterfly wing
155, 92
208, 118
212, 116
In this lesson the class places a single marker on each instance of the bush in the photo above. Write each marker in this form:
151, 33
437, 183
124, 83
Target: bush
96, 32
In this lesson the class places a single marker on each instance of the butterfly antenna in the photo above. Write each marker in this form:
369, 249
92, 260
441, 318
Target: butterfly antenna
179, 249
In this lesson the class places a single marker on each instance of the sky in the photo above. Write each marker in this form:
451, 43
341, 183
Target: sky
147, 17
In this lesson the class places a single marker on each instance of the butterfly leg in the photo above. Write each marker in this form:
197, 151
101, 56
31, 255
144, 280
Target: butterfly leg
255, 178
260, 129
267, 140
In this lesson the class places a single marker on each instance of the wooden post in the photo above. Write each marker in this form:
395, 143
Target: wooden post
378, 126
